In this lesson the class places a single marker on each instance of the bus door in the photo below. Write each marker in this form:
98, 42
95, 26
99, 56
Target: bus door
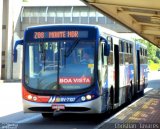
138, 69
116, 68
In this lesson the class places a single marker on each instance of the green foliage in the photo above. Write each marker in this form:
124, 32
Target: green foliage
158, 53
150, 62
156, 60
154, 67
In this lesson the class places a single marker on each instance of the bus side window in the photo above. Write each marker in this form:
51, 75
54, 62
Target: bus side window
146, 53
103, 57
131, 48
126, 52
110, 41
127, 47
121, 49
143, 56
146, 59
110, 57
140, 51
102, 53
130, 54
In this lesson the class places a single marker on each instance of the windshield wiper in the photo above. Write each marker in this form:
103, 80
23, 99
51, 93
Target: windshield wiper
43, 55
71, 48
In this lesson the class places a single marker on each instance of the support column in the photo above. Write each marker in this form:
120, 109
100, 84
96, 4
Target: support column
9, 41
1, 15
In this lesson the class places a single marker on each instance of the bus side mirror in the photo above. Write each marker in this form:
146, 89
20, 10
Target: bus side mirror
18, 42
106, 49
106, 46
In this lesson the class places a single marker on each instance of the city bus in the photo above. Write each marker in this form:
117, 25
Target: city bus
79, 69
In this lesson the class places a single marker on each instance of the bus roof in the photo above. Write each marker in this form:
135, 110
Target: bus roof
59, 25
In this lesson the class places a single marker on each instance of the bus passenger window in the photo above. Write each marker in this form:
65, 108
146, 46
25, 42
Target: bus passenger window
110, 58
145, 52
127, 47
130, 48
140, 51
121, 51
110, 41
121, 58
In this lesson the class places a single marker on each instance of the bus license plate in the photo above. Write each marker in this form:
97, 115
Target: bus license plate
58, 107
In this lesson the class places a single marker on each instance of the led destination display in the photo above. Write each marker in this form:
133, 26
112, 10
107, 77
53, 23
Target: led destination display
60, 34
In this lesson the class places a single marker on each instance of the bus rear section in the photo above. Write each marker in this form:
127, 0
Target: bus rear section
141, 67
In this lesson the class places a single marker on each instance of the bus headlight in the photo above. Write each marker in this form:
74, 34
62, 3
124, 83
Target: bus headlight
88, 97
83, 98
34, 98
29, 97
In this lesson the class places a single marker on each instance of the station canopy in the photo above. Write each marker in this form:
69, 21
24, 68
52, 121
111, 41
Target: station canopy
141, 16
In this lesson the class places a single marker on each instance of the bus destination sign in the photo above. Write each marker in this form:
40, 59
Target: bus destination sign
61, 34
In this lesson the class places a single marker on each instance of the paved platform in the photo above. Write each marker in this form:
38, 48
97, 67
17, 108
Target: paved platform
142, 114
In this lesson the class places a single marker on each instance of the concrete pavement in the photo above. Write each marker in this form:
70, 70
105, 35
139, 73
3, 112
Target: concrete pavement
10, 98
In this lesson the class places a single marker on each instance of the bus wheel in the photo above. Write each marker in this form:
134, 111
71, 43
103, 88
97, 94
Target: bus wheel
129, 100
130, 97
142, 92
111, 100
47, 115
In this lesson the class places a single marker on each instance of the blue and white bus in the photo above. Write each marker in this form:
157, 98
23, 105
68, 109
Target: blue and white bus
79, 69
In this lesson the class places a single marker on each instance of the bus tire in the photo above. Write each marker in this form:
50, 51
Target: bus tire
111, 99
142, 92
130, 96
47, 115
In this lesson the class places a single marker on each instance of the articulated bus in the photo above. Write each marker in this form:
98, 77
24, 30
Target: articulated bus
79, 69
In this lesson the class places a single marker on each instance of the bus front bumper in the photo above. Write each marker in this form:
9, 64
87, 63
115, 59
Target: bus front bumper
93, 106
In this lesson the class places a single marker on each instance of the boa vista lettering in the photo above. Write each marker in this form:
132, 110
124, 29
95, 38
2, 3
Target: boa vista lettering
75, 80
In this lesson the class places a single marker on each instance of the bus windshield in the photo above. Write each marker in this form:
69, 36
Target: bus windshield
59, 65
